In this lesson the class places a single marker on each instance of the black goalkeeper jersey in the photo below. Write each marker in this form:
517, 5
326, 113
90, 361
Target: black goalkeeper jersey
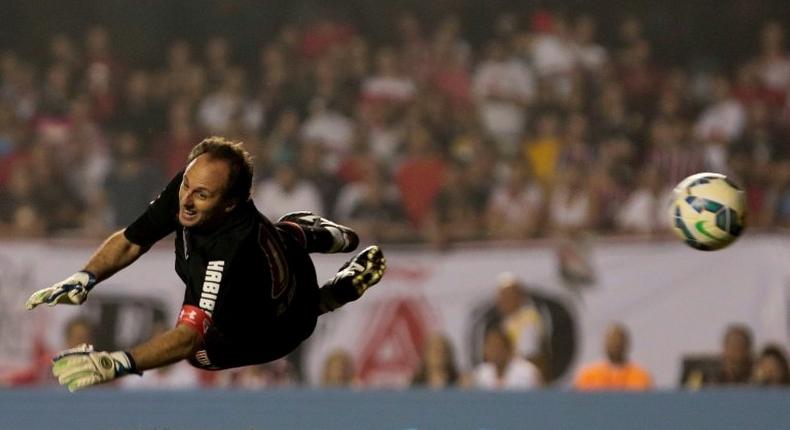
252, 278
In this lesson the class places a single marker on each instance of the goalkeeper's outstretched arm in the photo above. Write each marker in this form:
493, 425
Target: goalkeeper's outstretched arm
113, 255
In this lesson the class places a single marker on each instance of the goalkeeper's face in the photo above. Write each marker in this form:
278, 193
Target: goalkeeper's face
201, 198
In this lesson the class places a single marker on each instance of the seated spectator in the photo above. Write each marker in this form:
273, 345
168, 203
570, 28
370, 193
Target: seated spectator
78, 330
373, 208
771, 368
515, 207
338, 370
643, 210
438, 369
328, 127
503, 86
313, 168
521, 319
420, 175
502, 368
773, 61
286, 192
724, 119
616, 372
388, 84
571, 207
734, 364
457, 209
736, 356
132, 182
591, 56
19, 212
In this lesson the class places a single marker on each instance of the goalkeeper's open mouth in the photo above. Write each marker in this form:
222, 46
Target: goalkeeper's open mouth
187, 216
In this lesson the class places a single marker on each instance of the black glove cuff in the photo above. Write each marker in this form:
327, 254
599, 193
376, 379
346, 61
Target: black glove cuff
132, 365
91, 280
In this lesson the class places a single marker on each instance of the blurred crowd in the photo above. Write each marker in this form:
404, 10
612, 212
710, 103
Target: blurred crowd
539, 130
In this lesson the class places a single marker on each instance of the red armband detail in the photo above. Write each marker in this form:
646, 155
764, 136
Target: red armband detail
196, 318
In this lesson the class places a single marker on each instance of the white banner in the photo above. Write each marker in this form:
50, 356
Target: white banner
674, 300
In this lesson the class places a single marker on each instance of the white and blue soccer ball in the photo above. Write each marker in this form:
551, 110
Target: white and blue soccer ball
708, 211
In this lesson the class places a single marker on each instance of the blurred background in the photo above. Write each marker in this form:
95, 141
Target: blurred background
513, 158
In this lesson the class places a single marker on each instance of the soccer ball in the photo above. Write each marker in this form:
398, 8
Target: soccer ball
707, 211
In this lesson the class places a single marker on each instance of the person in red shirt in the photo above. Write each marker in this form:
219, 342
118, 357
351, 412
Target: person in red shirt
616, 372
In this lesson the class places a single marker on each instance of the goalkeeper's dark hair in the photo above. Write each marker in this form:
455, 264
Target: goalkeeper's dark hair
240, 162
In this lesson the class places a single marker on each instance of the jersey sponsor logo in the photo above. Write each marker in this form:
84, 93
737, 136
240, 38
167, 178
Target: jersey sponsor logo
211, 284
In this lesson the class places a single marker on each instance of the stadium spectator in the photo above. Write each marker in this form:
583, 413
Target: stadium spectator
138, 111
373, 207
771, 368
773, 61
178, 138
734, 364
457, 212
591, 56
338, 370
420, 176
387, 86
180, 69
133, 182
229, 103
287, 192
502, 368
641, 211
542, 151
19, 211
438, 369
218, 53
720, 123
778, 196
77, 330
520, 319
571, 208
616, 372
515, 208
736, 357
552, 50
331, 130
503, 87
314, 167
452, 80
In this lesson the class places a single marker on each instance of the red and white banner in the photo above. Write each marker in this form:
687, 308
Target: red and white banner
675, 301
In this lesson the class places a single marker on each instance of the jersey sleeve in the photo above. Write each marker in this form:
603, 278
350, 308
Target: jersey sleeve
160, 219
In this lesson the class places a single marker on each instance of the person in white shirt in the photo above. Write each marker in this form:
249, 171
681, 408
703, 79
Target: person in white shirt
591, 56
286, 192
502, 369
724, 119
503, 86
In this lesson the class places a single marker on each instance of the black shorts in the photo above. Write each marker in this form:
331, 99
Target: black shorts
279, 336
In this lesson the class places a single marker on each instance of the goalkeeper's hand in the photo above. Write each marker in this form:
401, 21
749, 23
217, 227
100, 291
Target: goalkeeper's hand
72, 291
82, 367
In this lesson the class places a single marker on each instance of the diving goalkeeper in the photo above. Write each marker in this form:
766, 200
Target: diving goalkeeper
251, 291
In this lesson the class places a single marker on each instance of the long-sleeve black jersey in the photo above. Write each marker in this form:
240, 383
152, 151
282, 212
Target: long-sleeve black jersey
254, 280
